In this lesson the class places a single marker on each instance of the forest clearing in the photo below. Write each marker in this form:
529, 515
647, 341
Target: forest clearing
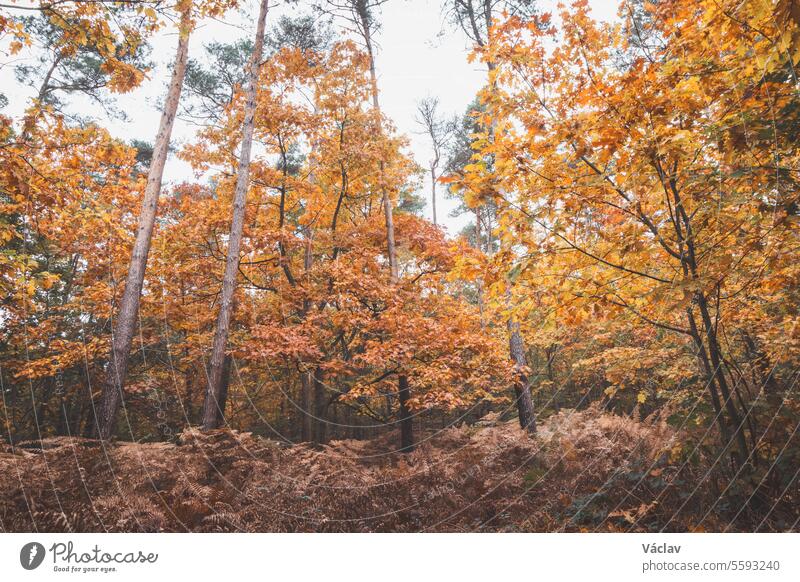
573, 304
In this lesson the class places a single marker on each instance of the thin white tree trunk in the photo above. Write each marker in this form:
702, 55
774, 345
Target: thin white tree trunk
212, 407
386, 200
433, 192
125, 327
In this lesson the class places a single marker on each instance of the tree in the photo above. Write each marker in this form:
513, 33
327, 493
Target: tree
439, 130
477, 19
63, 218
213, 408
113, 63
361, 15
125, 326
212, 87
628, 180
80, 53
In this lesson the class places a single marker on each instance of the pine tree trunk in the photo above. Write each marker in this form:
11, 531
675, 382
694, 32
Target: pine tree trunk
527, 419
213, 407
227, 369
117, 368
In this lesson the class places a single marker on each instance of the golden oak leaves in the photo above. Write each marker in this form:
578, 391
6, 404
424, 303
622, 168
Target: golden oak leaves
608, 140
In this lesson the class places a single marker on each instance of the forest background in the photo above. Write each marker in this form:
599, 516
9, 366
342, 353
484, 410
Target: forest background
348, 226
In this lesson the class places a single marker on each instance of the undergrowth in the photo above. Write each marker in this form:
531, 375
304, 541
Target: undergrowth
584, 471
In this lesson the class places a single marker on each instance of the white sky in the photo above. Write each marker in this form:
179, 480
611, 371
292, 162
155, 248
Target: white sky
418, 55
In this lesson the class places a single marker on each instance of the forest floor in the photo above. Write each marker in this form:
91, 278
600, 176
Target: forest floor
583, 471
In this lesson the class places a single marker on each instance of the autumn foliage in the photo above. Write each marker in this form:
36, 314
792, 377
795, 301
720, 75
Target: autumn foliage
635, 188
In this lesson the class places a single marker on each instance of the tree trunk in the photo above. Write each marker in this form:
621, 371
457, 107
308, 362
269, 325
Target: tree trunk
714, 367
406, 419
715, 355
433, 193
702, 357
213, 407
406, 437
227, 368
306, 378
386, 200
117, 369
527, 419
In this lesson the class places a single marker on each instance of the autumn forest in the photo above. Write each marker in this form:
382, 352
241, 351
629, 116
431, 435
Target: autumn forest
293, 337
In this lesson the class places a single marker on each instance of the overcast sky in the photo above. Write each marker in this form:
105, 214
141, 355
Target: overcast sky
418, 54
